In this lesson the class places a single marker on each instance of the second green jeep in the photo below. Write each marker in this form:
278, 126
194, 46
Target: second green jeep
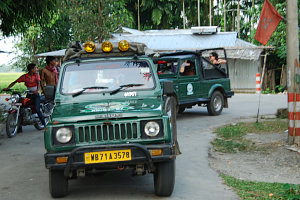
196, 80
111, 114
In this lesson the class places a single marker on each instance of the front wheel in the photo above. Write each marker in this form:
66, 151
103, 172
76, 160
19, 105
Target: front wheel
12, 124
164, 178
216, 103
58, 183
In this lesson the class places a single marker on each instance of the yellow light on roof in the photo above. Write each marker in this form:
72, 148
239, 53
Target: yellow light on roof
123, 45
89, 46
107, 46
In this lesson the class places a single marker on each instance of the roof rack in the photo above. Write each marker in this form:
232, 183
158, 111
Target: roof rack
76, 50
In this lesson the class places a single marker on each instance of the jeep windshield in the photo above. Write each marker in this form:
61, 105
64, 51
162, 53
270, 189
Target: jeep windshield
106, 76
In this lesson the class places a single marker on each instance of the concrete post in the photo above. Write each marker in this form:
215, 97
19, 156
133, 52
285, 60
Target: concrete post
292, 41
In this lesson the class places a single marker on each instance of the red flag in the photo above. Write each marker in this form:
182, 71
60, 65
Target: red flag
269, 19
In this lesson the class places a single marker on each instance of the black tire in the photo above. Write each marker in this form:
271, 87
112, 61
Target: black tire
181, 110
58, 183
170, 108
11, 125
216, 103
164, 178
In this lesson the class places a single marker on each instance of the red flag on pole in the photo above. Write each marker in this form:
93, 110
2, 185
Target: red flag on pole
269, 19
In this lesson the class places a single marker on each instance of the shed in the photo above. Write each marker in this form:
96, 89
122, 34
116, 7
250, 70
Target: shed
244, 58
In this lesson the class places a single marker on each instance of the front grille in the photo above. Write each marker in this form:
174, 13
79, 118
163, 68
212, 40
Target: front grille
102, 133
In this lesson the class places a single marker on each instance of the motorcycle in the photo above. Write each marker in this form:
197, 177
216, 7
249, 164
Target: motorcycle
22, 112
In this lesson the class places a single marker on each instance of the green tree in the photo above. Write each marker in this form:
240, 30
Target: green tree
97, 19
16, 16
39, 39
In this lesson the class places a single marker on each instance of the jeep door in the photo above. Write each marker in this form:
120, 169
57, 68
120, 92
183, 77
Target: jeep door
213, 76
188, 79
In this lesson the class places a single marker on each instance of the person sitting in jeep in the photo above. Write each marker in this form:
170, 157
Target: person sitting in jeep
187, 68
214, 59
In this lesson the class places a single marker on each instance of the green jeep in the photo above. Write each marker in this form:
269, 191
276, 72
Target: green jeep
111, 114
201, 83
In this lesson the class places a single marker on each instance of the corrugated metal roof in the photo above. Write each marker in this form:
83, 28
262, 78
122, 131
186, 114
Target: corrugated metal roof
58, 53
184, 39
163, 42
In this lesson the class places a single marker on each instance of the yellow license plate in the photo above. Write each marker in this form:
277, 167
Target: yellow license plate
107, 156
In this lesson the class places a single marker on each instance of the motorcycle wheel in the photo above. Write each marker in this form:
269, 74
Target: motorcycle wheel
11, 125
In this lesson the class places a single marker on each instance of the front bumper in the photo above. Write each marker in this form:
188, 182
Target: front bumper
140, 155
229, 94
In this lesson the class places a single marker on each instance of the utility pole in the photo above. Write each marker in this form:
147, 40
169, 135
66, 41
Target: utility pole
293, 76
139, 28
224, 15
198, 12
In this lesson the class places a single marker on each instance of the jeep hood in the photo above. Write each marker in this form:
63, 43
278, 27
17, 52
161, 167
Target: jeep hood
107, 109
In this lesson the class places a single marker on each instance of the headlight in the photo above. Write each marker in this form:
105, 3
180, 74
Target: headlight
63, 135
15, 98
151, 129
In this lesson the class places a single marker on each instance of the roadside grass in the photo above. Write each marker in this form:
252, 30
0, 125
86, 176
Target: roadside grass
7, 78
249, 190
230, 137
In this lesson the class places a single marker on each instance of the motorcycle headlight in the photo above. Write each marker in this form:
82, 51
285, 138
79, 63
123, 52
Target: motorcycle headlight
151, 128
63, 135
15, 98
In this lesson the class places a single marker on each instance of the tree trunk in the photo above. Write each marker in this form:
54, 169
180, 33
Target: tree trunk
224, 6
252, 22
218, 9
34, 48
238, 19
233, 19
183, 10
209, 12
198, 12
100, 22
138, 8
283, 81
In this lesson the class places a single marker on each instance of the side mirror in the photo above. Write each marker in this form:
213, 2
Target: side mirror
49, 92
168, 88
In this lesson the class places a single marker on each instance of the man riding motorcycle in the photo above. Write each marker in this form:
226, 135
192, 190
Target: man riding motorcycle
32, 82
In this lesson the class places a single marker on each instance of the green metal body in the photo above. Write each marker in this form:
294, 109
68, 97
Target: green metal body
103, 112
194, 89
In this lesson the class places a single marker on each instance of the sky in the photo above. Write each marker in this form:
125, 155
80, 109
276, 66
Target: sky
7, 45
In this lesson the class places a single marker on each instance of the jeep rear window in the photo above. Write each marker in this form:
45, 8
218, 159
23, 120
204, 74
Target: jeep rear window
110, 74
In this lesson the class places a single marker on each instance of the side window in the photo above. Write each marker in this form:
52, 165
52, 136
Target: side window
167, 67
214, 64
188, 68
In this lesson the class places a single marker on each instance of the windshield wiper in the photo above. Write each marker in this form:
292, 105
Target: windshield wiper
124, 86
86, 88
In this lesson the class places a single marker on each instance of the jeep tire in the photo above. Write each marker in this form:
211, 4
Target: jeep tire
58, 183
216, 103
164, 178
